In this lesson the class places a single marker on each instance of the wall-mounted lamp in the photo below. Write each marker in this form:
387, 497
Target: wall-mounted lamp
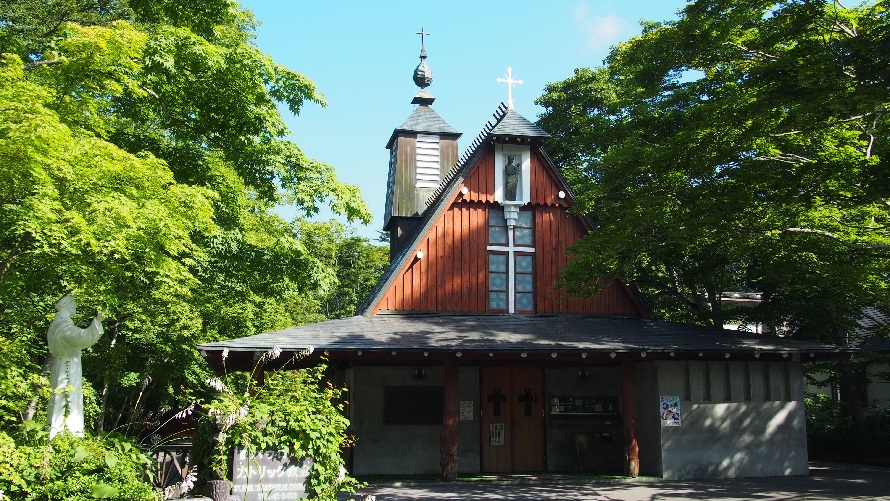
419, 374
583, 374
464, 190
561, 194
419, 254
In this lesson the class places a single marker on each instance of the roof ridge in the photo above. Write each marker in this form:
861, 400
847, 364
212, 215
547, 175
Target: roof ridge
498, 115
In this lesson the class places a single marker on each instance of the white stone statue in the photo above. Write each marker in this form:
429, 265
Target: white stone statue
65, 342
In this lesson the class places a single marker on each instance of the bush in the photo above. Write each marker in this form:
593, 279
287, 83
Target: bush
73, 468
828, 430
293, 410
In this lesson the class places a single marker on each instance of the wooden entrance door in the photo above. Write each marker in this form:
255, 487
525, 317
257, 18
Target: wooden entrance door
512, 419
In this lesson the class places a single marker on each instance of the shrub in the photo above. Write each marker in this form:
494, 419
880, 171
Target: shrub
72, 468
293, 410
828, 430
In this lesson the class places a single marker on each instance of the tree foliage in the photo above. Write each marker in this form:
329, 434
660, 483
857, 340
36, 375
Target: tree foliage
141, 154
739, 147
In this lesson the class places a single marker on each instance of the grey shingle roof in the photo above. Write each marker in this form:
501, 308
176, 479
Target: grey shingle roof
424, 120
486, 333
515, 125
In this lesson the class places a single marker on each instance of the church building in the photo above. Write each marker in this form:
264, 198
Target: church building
466, 359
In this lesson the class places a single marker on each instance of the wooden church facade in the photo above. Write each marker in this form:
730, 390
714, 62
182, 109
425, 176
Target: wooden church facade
467, 359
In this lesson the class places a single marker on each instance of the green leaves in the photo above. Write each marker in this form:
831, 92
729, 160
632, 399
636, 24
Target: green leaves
715, 151
293, 410
141, 151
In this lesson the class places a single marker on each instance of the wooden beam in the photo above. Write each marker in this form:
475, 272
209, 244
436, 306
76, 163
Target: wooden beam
451, 408
629, 416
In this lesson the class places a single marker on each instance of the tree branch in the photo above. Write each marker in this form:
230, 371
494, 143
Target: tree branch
750, 51
46, 62
842, 241
788, 158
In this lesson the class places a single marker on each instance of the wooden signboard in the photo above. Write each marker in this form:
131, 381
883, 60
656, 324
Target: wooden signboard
269, 476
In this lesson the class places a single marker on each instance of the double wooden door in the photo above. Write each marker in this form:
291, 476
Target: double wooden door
512, 419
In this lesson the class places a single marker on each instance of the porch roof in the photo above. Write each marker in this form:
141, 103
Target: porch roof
483, 335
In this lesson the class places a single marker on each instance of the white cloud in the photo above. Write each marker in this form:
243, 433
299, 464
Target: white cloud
600, 31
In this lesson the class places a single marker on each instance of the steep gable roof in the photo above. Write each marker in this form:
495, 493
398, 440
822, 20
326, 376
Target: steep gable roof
510, 124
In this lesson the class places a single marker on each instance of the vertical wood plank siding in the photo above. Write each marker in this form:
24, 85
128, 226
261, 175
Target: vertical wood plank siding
453, 273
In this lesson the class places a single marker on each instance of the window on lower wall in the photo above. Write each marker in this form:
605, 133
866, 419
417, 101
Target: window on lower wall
413, 405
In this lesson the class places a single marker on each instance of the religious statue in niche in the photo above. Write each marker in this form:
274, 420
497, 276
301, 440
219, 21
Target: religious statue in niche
66, 340
512, 172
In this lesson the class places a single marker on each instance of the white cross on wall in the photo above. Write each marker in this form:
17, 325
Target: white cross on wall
510, 84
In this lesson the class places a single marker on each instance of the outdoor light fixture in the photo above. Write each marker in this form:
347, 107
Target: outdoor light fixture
359, 353
561, 194
643, 354
464, 190
523, 355
727, 355
584, 355
459, 354
553, 354
419, 254
612, 355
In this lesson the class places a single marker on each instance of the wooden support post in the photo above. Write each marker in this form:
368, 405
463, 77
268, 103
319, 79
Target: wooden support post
629, 415
451, 408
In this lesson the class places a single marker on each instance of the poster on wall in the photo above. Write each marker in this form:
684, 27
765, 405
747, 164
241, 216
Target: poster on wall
496, 432
466, 410
669, 406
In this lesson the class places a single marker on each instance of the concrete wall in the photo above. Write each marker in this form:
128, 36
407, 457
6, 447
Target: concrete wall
739, 419
406, 449
648, 418
606, 440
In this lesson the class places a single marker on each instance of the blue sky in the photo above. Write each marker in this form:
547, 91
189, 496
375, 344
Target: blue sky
362, 55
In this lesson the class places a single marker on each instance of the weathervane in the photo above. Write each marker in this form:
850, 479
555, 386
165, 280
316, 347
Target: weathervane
510, 84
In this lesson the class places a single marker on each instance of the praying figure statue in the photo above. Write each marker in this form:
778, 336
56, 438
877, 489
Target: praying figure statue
66, 341
511, 178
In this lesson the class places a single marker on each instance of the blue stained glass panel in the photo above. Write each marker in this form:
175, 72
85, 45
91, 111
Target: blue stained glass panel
497, 281
524, 301
524, 263
524, 283
497, 234
497, 300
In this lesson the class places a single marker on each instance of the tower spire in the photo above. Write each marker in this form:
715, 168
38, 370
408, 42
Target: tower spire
423, 75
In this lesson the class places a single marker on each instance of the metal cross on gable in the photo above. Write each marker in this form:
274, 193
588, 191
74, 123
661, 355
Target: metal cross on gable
510, 84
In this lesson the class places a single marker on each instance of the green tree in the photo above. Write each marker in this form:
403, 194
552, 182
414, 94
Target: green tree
357, 265
737, 148
141, 153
